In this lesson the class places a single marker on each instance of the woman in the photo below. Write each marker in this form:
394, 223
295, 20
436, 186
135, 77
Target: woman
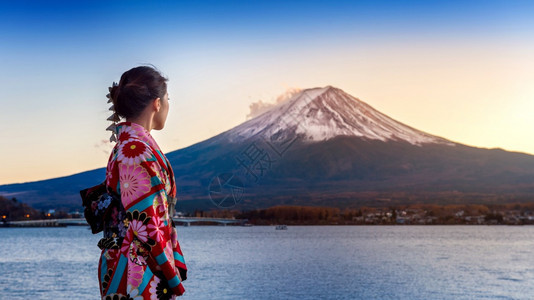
141, 257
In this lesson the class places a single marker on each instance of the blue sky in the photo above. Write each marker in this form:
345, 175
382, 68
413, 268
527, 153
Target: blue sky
457, 69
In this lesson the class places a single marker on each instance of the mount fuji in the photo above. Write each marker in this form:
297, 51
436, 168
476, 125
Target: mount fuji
323, 147
321, 114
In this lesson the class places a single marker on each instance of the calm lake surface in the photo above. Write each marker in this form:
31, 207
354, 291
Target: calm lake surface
303, 262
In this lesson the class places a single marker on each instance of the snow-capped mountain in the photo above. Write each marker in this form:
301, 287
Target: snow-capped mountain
320, 114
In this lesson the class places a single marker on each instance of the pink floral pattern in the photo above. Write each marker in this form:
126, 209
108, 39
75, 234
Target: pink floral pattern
133, 152
134, 183
174, 238
157, 229
160, 205
126, 243
125, 133
153, 288
109, 172
133, 293
135, 274
138, 229
157, 170
168, 249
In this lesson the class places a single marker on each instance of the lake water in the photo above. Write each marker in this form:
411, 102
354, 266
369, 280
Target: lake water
303, 262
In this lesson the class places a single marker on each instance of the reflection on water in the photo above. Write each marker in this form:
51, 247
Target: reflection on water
316, 262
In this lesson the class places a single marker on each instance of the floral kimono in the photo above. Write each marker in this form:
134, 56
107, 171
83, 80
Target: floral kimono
141, 257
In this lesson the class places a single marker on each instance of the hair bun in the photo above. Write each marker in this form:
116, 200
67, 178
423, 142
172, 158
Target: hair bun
136, 89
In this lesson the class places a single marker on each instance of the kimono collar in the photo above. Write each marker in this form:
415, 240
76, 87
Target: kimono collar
128, 130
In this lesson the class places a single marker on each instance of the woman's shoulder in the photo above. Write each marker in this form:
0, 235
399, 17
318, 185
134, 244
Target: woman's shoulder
135, 150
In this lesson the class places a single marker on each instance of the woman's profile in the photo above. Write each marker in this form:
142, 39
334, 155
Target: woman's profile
141, 257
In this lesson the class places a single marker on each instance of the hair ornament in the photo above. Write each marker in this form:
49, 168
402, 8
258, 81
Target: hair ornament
112, 86
114, 117
111, 127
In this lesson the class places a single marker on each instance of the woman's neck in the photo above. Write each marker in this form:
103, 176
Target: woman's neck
144, 120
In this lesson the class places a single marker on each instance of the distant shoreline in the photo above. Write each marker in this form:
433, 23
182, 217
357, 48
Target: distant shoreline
290, 215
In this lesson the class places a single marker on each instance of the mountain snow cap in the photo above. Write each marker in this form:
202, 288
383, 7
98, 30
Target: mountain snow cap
320, 114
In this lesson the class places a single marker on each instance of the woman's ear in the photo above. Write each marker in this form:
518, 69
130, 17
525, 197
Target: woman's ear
157, 104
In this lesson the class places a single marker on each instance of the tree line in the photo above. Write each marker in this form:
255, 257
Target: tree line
13, 210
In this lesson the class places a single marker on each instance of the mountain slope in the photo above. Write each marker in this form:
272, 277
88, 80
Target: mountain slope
62, 192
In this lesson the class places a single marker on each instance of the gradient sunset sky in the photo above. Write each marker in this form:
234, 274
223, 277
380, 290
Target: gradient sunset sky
462, 70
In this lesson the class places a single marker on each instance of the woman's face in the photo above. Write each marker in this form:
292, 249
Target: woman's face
161, 115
